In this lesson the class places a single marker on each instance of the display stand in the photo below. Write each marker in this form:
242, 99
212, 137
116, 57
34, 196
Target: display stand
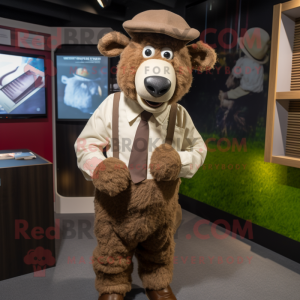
26, 216
283, 118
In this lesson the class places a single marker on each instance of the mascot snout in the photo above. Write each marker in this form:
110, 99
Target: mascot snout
157, 86
155, 83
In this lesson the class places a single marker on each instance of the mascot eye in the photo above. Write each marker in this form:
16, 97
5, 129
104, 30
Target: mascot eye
167, 53
148, 51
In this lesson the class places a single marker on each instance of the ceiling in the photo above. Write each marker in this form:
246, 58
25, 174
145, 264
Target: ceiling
85, 12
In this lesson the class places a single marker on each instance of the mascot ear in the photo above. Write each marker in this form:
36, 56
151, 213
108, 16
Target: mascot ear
203, 56
113, 43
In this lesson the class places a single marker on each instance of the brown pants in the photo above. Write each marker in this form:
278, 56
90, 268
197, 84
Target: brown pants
140, 221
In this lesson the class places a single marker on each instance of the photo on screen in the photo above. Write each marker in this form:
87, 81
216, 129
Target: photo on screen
82, 85
22, 85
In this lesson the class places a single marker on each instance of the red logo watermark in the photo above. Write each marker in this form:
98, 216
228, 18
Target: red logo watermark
39, 258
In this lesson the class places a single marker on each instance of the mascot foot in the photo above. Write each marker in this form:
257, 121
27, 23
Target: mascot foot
165, 294
111, 297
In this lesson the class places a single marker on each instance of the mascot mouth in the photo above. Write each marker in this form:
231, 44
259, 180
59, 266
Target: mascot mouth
153, 104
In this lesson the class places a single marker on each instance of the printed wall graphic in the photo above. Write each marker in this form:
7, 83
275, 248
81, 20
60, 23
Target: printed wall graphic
5, 36
82, 85
22, 84
229, 108
32, 41
245, 84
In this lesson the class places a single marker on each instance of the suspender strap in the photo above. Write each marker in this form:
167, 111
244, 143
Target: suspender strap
115, 126
171, 126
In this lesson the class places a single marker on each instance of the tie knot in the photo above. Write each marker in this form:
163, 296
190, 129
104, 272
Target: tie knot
145, 115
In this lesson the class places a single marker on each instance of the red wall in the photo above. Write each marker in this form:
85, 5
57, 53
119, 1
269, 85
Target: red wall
33, 134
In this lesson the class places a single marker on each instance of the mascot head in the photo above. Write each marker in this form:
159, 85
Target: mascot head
156, 64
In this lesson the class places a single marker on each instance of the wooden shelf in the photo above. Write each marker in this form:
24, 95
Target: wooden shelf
286, 161
293, 95
290, 5
283, 123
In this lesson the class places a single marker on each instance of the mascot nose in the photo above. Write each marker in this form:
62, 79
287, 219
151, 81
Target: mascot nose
157, 86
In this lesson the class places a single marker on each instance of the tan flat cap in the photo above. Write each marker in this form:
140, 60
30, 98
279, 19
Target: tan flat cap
161, 21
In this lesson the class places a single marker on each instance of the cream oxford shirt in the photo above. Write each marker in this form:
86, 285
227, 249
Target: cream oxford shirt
97, 134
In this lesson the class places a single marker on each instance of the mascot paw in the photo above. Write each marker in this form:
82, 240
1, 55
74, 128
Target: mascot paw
165, 163
111, 176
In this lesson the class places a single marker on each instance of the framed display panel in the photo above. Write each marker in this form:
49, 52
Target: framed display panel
23, 84
283, 117
69, 179
79, 95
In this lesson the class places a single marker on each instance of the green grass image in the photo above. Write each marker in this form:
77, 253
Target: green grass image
265, 193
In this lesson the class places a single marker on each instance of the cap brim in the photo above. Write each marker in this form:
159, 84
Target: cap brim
187, 34
243, 48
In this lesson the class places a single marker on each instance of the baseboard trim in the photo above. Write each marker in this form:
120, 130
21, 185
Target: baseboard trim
74, 205
269, 239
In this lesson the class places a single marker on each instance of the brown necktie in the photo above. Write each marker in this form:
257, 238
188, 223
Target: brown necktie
139, 153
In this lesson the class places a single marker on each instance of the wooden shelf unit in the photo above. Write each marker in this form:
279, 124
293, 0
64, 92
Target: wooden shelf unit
282, 144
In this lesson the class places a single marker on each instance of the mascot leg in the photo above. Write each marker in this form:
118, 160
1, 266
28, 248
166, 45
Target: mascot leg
155, 253
112, 259
155, 258
140, 220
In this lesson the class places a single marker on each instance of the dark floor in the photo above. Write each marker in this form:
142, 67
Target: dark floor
232, 269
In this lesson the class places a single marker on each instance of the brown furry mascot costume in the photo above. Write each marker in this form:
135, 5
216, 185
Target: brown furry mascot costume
151, 142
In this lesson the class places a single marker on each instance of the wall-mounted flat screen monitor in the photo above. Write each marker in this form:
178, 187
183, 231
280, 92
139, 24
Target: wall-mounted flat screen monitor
22, 86
82, 83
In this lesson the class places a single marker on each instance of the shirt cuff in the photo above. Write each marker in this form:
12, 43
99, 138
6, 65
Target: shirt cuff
186, 162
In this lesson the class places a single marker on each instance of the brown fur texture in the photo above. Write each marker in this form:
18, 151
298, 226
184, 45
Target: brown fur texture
202, 55
140, 220
111, 176
203, 58
113, 44
165, 163
178, 217
111, 297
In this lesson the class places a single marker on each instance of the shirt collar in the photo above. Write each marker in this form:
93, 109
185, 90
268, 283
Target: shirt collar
133, 109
